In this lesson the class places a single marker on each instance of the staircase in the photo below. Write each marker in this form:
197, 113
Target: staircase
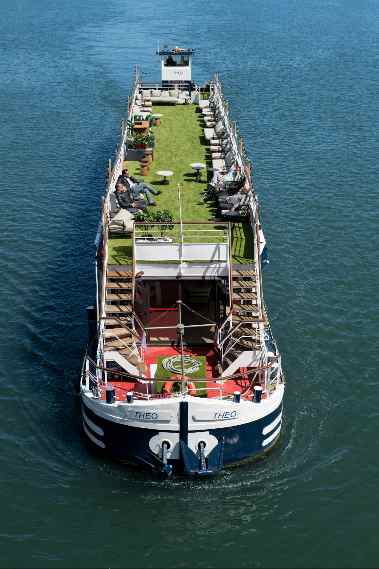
119, 333
244, 334
244, 288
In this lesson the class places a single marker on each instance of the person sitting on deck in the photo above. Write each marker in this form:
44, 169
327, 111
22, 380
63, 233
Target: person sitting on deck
235, 201
136, 187
125, 200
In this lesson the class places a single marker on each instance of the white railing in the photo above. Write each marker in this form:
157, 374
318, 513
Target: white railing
90, 376
229, 127
222, 333
180, 243
252, 375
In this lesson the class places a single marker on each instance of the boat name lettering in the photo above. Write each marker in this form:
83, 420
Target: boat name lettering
143, 415
155, 416
223, 415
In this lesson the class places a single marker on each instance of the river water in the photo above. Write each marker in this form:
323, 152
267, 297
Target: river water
302, 81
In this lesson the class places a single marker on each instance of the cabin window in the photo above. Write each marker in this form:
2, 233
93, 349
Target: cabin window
176, 59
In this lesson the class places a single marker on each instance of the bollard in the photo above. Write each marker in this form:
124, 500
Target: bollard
129, 397
237, 397
110, 393
257, 393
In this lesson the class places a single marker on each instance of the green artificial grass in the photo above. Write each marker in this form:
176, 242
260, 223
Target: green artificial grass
242, 243
178, 142
120, 250
162, 374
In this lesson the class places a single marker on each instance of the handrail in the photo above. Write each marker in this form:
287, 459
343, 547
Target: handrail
235, 328
230, 272
250, 375
249, 371
225, 223
227, 319
134, 266
230, 348
131, 350
258, 268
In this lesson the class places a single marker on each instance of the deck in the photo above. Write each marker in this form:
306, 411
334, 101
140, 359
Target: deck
212, 387
179, 141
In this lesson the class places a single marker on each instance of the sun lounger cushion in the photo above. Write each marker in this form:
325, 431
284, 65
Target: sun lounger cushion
122, 222
209, 133
219, 128
218, 164
114, 206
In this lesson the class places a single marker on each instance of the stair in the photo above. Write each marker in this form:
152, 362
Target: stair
242, 337
244, 273
118, 296
244, 294
119, 344
114, 284
121, 320
118, 309
111, 275
119, 333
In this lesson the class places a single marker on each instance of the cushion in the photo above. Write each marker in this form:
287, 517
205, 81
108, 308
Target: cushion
218, 163
209, 133
122, 221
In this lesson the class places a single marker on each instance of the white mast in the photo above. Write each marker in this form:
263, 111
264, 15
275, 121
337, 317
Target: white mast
181, 230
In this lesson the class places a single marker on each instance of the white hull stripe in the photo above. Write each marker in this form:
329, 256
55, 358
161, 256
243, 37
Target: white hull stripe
92, 425
272, 437
272, 425
93, 439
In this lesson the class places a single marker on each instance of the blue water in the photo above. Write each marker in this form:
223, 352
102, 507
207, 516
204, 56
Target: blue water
302, 81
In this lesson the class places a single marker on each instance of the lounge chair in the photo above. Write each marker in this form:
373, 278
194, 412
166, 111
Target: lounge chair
218, 130
204, 103
114, 205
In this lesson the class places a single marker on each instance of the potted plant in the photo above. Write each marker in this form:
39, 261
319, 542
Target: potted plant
140, 140
147, 218
165, 217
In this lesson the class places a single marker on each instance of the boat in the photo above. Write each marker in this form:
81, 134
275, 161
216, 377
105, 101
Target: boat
182, 374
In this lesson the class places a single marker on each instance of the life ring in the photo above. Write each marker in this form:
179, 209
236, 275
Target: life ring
168, 387
191, 388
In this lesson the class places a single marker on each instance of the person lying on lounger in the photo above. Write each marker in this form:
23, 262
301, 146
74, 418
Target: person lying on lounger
126, 201
136, 187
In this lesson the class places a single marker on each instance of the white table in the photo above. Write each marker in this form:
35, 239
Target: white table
166, 174
197, 166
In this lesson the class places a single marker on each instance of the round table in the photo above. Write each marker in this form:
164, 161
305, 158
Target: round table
156, 118
198, 166
166, 174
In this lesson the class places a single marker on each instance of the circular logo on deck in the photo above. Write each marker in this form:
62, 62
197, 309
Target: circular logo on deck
174, 364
